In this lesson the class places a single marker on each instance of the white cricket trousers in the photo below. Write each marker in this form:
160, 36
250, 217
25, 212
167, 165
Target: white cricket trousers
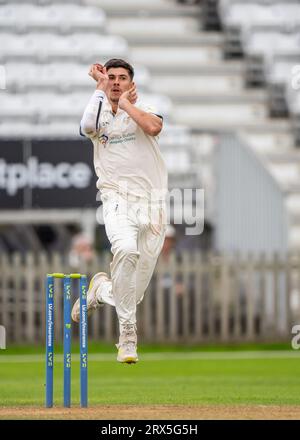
136, 236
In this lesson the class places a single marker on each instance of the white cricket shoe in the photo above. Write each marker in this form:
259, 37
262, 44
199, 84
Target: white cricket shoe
127, 345
92, 301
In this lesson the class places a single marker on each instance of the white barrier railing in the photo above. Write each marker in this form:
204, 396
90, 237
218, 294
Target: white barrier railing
192, 298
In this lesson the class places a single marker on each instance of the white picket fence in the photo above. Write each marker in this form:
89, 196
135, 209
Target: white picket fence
192, 298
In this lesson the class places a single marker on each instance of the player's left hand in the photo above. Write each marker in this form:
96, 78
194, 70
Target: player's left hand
130, 95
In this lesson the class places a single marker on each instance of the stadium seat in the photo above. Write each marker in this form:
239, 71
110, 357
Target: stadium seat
268, 142
173, 26
204, 115
285, 173
199, 84
280, 69
59, 76
294, 244
17, 107
47, 106
43, 47
293, 98
177, 160
162, 103
20, 75
131, 6
56, 129
268, 43
175, 135
293, 203
58, 17
247, 14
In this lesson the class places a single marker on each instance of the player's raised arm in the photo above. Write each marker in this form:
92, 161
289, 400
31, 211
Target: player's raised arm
89, 124
149, 123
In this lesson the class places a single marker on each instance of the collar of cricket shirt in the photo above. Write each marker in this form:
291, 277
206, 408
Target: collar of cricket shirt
108, 108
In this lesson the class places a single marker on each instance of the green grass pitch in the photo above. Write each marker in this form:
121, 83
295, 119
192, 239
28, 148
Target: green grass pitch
267, 375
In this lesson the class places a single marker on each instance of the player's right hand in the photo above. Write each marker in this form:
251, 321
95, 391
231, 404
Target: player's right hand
98, 73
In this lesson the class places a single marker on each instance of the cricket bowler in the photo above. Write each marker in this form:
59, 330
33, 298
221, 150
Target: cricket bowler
133, 182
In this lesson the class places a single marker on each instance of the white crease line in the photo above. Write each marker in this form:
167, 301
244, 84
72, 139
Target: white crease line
160, 356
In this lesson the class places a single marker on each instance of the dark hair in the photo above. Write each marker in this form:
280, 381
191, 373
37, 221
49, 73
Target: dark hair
117, 62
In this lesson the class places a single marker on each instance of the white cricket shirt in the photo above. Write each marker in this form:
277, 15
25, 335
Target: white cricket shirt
125, 157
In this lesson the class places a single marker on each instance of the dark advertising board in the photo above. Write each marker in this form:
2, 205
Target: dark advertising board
47, 174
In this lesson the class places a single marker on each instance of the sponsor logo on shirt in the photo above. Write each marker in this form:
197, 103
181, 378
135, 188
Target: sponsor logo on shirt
120, 139
103, 140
